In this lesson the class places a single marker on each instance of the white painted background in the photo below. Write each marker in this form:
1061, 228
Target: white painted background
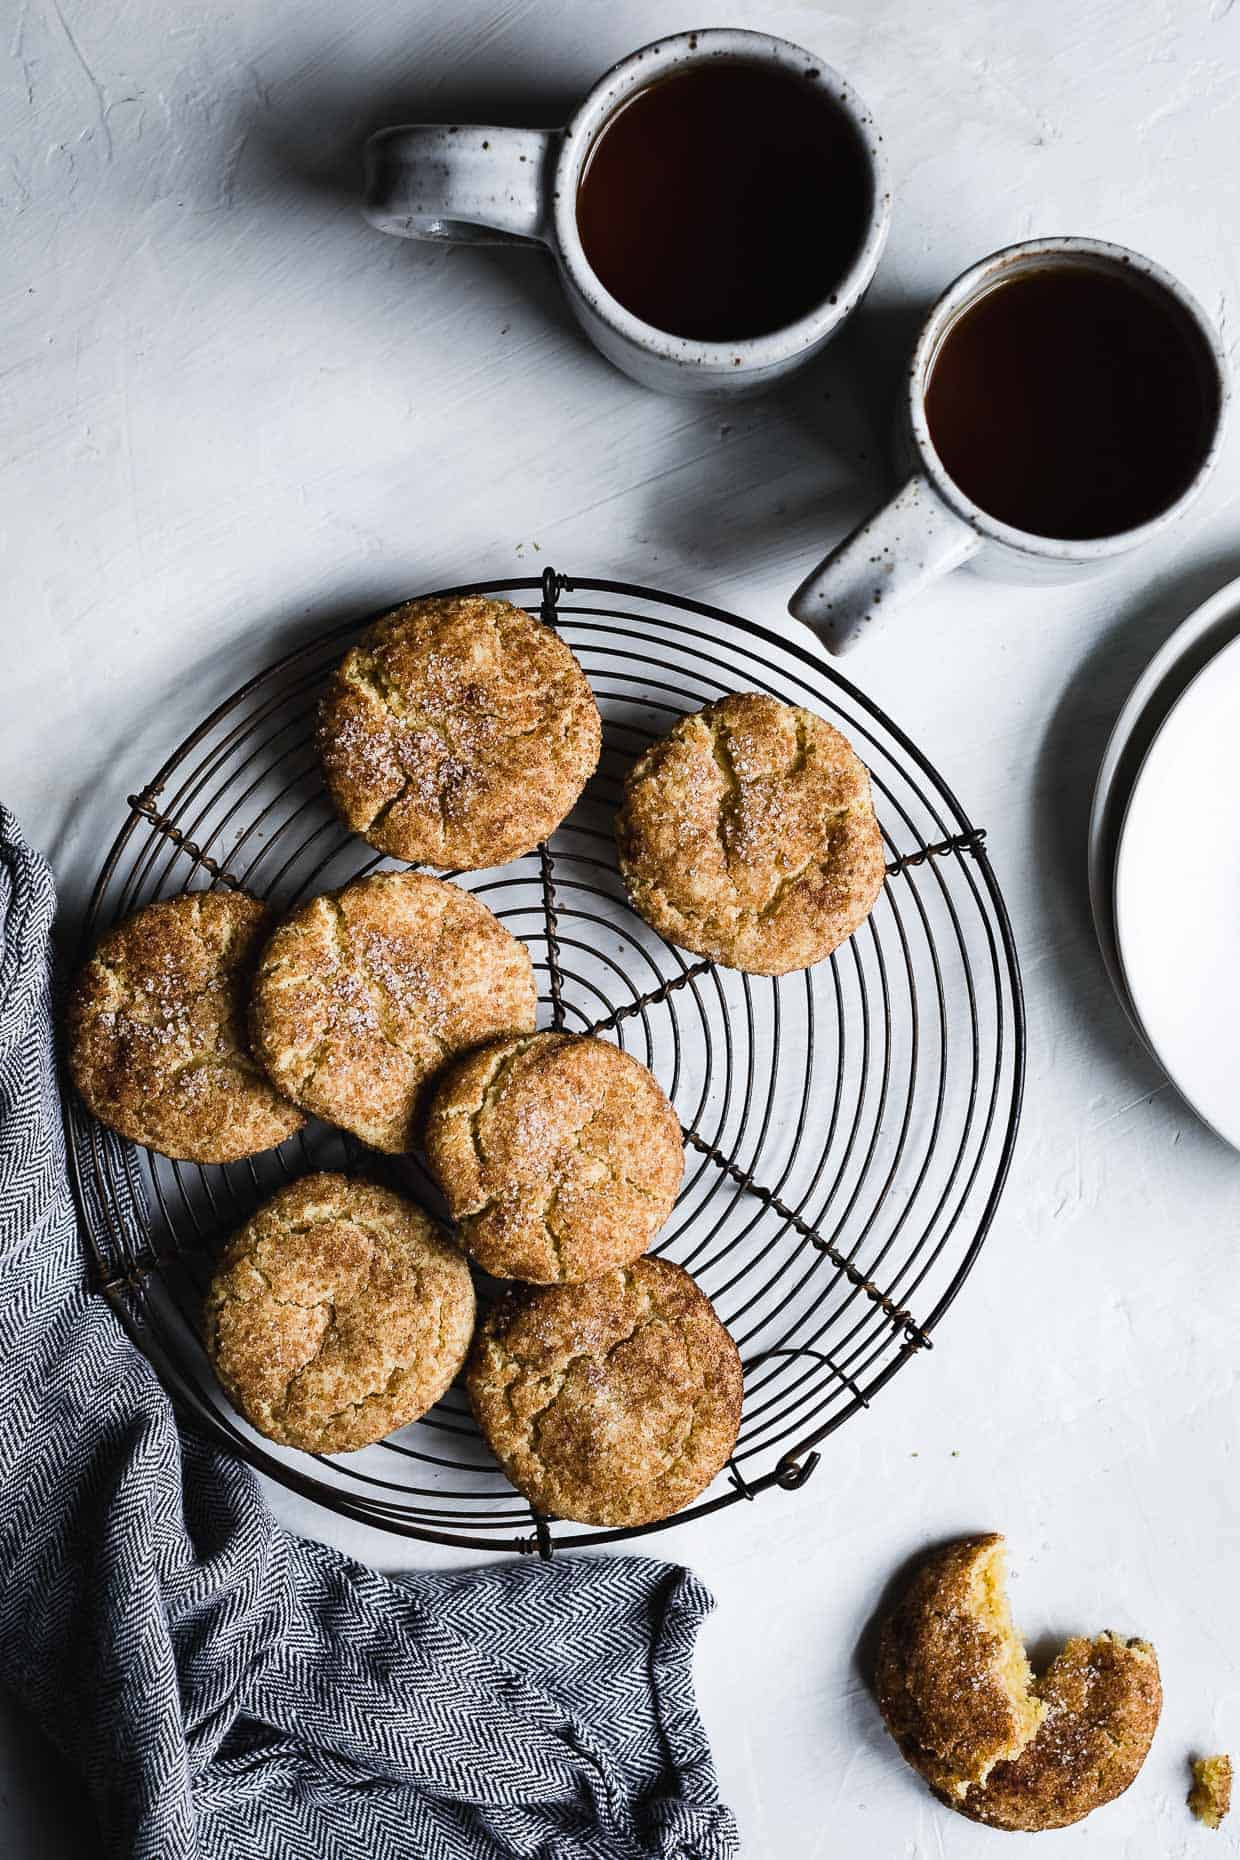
230, 413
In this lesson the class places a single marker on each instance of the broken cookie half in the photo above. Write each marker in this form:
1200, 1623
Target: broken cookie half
995, 1741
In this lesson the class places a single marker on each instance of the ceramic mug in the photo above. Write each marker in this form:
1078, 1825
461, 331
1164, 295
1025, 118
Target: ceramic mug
479, 185
930, 526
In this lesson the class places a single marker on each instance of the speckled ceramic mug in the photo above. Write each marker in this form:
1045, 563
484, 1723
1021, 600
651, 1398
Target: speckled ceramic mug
479, 185
931, 526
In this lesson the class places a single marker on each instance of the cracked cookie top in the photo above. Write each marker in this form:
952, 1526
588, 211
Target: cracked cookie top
996, 1742
612, 1402
747, 834
157, 1034
458, 732
559, 1157
364, 994
337, 1314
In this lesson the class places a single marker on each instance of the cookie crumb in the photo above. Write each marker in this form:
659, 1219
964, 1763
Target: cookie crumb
1210, 1796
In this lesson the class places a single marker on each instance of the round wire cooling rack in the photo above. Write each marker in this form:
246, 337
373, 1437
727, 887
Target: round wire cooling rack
848, 1129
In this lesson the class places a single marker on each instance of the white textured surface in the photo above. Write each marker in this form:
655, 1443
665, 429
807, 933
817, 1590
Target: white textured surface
229, 413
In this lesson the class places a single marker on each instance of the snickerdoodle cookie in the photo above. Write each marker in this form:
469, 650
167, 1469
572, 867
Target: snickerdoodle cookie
612, 1402
157, 1034
995, 1742
337, 1314
458, 732
363, 995
747, 834
559, 1157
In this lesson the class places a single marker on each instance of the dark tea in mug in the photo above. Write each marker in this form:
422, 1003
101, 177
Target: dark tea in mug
1072, 400
726, 201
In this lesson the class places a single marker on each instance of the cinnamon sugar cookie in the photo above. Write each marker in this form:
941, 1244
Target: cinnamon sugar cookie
157, 1035
337, 1314
995, 1742
458, 732
364, 994
747, 834
1103, 1699
612, 1402
560, 1157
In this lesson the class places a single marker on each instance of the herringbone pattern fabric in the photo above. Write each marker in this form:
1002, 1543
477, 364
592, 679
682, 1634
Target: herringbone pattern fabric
227, 1690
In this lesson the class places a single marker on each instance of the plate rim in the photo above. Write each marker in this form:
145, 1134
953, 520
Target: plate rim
1123, 846
1100, 872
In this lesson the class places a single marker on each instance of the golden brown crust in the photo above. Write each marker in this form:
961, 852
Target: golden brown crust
337, 1314
1210, 1796
458, 732
995, 1743
157, 1033
952, 1680
613, 1402
1103, 1698
559, 1157
364, 994
747, 834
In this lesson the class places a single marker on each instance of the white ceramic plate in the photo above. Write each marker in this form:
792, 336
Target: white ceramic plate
1174, 665
1177, 894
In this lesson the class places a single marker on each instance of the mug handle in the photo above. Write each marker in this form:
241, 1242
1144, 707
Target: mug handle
894, 554
464, 184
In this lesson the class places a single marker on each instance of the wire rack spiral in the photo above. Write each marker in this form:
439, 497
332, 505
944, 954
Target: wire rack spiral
848, 1129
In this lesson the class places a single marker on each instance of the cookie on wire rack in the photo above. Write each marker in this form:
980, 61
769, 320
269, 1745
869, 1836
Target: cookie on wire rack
157, 1039
612, 1402
458, 732
363, 995
338, 1314
559, 1156
747, 834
